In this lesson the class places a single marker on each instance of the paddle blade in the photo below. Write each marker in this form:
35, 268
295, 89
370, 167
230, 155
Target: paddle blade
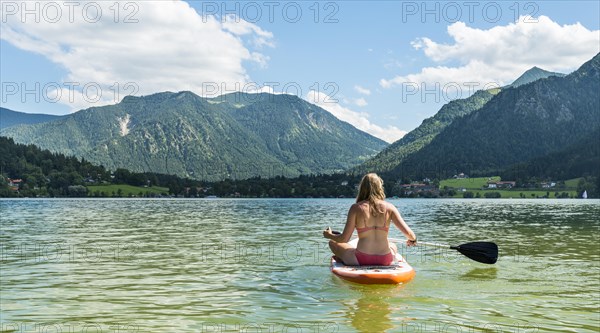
484, 252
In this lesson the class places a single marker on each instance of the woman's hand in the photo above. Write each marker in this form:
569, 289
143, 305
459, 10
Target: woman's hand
411, 242
327, 233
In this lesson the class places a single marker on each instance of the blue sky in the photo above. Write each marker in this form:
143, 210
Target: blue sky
380, 65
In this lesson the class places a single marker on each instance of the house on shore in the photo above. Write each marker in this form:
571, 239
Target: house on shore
14, 184
501, 185
416, 188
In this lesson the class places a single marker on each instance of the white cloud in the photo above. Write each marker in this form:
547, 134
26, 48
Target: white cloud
360, 102
171, 47
502, 53
362, 91
356, 119
240, 27
253, 88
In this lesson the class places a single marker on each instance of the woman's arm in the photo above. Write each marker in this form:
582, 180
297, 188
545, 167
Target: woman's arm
400, 224
344, 237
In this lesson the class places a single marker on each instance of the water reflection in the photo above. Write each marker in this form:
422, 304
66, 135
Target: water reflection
374, 308
489, 273
371, 312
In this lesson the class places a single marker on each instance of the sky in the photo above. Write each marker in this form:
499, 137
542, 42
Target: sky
382, 66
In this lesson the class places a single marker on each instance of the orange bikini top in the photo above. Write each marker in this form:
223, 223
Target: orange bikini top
361, 230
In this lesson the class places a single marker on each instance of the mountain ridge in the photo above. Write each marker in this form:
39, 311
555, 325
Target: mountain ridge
518, 124
391, 157
533, 74
10, 118
386, 160
191, 136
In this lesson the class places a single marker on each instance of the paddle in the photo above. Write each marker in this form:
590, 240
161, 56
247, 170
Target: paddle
483, 252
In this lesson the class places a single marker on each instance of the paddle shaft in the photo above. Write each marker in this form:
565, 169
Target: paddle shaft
397, 240
435, 245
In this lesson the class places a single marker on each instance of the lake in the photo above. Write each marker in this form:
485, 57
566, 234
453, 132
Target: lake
258, 265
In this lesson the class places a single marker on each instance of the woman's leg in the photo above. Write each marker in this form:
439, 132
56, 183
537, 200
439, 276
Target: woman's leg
394, 250
344, 251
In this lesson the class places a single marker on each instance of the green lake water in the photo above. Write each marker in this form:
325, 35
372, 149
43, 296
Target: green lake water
218, 265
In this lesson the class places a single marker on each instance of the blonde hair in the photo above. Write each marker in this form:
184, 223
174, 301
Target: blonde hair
371, 189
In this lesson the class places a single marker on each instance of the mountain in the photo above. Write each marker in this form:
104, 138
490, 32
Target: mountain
517, 125
579, 159
532, 75
10, 118
300, 134
233, 136
418, 138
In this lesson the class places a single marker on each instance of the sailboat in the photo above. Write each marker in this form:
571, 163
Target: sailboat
584, 195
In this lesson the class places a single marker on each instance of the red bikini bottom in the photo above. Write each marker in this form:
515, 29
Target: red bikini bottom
374, 259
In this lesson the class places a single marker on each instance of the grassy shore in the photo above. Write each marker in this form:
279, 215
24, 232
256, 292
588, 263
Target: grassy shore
476, 185
468, 183
520, 193
126, 190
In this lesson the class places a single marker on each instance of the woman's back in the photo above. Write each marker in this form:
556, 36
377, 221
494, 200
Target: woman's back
372, 226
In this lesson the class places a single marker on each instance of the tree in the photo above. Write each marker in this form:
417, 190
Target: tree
493, 195
589, 184
137, 179
122, 176
77, 191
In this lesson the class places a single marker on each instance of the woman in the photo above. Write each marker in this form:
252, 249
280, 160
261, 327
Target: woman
371, 217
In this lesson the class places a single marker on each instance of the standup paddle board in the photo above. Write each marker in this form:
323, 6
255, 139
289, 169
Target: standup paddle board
399, 272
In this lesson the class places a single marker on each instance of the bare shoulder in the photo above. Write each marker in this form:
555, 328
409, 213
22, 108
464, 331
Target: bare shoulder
390, 207
355, 208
